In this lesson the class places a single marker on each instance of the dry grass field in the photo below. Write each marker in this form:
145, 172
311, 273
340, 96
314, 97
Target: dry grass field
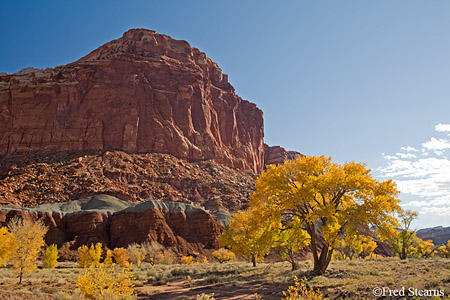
344, 280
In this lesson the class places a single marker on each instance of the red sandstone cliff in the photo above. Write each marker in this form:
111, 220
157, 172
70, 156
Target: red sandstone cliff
184, 228
144, 92
275, 155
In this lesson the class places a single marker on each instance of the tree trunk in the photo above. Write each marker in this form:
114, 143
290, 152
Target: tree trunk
310, 228
324, 260
254, 260
20, 277
292, 260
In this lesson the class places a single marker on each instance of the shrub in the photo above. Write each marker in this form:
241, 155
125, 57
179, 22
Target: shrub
108, 258
153, 249
204, 296
121, 257
167, 257
136, 253
88, 256
300, 291
223, 255
204, 260
50, 257
7, 243
100, 281
187, 260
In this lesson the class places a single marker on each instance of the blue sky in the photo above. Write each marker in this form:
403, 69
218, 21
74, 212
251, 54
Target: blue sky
357, 80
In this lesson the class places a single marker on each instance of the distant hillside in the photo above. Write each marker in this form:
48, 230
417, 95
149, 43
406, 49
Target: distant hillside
439, 235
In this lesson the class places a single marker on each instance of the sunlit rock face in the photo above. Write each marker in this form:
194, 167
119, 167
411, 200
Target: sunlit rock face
144, 92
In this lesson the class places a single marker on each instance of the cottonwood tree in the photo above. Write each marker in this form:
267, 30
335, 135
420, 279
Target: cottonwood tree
326, 197
247, 234
28, 241
290, 241
402, 239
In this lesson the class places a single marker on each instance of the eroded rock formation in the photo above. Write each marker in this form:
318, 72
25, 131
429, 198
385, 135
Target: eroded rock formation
275, 155
184, 228
144, 92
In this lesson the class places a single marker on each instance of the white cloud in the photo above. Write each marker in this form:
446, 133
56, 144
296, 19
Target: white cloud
442, 127
436, 144
423, 176
409, 149
405, 155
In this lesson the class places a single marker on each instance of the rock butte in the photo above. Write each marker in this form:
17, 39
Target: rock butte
144, 92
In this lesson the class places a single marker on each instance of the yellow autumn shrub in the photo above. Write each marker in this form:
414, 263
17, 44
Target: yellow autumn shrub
99, 281
50, 257
121, 257
300, 291
88, 256
187, 260
223, 255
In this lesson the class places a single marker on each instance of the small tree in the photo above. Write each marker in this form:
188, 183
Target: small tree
153, 249
290, 241
50, 257
137, 253
401, 241
28, 241
248, 234
7, 245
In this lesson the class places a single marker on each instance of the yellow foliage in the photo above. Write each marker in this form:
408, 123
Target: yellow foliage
28, 241
108, 258
7, 245
204, 296
223, 255
300, 291
248, 234
88, 256
121, 257
204, 260
187, 260
444, 250
312, 192
50, 257
100, 280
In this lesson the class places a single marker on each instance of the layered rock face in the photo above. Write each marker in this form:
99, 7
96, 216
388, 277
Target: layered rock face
144, 92
186, 229
439, 235
275, 155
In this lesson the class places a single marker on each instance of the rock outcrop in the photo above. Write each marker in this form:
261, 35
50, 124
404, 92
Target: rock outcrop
142, 93
439, 235
184, 228
35, 178
275, 155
